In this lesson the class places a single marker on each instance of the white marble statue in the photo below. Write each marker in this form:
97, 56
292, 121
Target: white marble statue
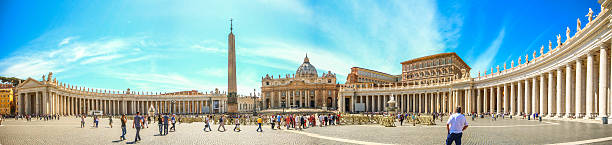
567, 34
590, 15
534, 54
526, 58
549, 45
519, 60
541, 50
512, 64
578, 25
559, 40
504, 65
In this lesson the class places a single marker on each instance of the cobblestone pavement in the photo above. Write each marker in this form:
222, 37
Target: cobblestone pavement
481, 131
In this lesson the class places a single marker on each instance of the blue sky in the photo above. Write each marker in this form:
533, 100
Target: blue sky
182, 45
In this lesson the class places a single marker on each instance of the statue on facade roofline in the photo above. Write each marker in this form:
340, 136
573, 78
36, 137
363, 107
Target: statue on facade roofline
43, 78
578, 25
519, 60
512, 64
590, 15
504, 65
526, 58
567, 34
49, 76
559, 40
534, 54
497, 68
541, 50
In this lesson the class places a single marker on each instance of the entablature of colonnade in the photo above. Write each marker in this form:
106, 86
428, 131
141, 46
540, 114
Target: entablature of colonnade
31, 86
594, 35
463, 84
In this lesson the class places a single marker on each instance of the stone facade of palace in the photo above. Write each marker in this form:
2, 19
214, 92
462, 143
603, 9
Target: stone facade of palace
49, 96
304, 89
570, 79
439, 68
368, 76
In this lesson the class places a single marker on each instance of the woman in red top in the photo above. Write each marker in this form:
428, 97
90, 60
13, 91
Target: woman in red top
287, 121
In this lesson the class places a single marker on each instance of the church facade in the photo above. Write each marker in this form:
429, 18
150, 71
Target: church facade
304, 89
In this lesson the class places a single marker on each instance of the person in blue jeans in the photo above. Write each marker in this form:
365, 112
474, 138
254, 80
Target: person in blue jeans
137, 124
123, 131
166, 124
160, 124
455, 126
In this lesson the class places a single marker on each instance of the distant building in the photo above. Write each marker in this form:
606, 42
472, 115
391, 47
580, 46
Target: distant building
6, 99
363, 75
305, 89
438, 68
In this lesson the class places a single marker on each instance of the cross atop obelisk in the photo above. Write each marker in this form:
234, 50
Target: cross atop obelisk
231, 25
232, 100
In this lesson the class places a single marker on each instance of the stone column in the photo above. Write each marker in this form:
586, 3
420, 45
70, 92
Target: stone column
443, 101
379, 101
37, 106
26, 103
492, 100
579, 88
272, 100
438, 105
542, 96
505, 101
498, 100
367, 103
520, 102
590, 97
527, 97
535, 95
431, 102
420, 103
478, 101
512, 99
551, 96
569, 110
485, 102
603, 82
412, 103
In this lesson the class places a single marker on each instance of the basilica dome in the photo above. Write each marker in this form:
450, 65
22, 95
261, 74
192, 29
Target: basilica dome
306, 69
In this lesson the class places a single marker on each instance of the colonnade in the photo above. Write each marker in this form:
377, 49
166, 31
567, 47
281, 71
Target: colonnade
571, 80
46, 98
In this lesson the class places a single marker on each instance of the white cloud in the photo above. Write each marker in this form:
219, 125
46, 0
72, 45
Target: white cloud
209, 49
65, 41
66, 57
215, 72
485, 60
101, 58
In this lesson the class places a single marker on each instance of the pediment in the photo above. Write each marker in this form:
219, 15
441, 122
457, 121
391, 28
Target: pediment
29, 83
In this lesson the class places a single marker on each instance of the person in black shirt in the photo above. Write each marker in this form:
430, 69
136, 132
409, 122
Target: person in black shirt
159, 123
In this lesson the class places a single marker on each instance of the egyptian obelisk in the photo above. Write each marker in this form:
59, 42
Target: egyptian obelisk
232, 100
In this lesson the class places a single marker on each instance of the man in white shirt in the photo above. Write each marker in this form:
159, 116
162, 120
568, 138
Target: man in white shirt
455, 126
